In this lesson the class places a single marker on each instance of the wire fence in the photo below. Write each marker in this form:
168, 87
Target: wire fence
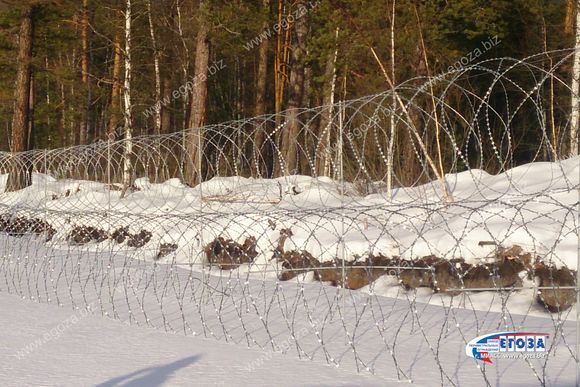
380, 234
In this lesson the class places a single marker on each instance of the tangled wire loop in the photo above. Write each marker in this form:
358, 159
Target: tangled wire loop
369, 234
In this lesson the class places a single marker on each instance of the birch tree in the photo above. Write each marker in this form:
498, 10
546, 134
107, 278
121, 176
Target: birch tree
324, 149
128, 144
575, 116
156, 58
394, 108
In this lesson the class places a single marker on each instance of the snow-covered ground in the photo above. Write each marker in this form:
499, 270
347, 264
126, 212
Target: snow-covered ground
533, 205
382, 329
43, 345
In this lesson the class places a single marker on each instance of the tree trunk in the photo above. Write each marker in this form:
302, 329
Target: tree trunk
168, 53
128, 148
63, 122
575, 116
194, 160
323, 151
280, 69
19, 176
394, 107
156, 158
29, 137
280, 60
84, 27
410, 169
552, 145
116, 87
291, 131
259, 167
165, 111
569, 19
307, 139
184, 68
441, 171
156, 59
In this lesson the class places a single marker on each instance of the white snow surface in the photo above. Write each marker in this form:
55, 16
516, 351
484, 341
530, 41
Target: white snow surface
533, 205
44, 345
83, 349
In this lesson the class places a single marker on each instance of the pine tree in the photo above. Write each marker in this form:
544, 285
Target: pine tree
19, 176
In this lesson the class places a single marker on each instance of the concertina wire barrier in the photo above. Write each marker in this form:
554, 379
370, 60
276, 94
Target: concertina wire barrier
325, 233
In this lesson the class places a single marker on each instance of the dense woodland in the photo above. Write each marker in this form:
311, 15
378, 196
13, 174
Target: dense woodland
68, 66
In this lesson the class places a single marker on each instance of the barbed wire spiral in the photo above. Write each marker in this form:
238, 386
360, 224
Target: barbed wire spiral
378, 234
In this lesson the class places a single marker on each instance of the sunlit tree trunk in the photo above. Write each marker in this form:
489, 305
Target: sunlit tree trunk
569, 18
258, 166
291, 131
575, 116
194, 158
116, 86
84, 31
155, 157
127, 112
324, 150
281, 58
157, 126
393, 107
184, 66
63, 117
19, 176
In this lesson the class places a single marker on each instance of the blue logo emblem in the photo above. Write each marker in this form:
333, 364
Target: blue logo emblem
510, 345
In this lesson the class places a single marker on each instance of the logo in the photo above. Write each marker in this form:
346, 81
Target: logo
508, 345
